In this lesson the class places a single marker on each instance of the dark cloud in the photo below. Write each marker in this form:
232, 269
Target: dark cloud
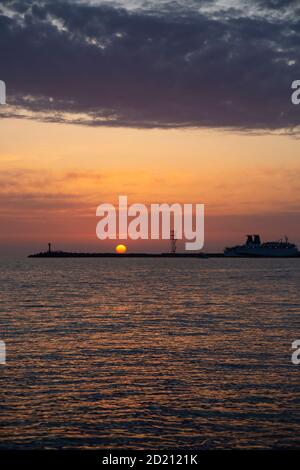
277, 4
157, 67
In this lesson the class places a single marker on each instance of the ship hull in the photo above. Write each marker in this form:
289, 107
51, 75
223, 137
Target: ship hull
261, 253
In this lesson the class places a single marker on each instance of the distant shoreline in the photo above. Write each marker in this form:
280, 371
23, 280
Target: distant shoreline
65, 254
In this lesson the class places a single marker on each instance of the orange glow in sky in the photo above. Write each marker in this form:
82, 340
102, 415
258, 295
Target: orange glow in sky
53, 176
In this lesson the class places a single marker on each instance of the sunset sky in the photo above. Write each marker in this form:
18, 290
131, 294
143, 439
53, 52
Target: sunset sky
160, 103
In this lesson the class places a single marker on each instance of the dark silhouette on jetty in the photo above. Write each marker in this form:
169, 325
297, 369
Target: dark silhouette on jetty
67, 254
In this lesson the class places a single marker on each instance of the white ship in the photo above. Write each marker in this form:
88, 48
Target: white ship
254, 248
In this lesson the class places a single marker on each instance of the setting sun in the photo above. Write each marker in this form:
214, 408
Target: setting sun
121, 249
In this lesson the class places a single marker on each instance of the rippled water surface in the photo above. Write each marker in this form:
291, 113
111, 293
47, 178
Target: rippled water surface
149, 353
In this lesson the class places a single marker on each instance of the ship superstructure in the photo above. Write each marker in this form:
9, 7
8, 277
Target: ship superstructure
255, 248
